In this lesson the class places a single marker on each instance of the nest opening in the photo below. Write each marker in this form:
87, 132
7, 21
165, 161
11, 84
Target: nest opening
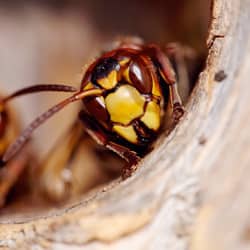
85, 27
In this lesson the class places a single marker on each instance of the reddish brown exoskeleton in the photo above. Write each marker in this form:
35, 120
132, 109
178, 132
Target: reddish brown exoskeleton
125, 93
9, 129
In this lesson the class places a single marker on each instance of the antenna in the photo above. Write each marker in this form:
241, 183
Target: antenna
39, 88
26, 134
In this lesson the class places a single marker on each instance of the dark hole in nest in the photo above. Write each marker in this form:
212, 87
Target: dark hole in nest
155, 21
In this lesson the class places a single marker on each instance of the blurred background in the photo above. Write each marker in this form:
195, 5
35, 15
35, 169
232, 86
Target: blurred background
44, 41
51, 41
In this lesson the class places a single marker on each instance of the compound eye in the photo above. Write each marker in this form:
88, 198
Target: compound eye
140, 77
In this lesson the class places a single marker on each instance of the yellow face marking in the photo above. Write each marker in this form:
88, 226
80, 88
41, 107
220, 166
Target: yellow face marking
156, 88
110, 81
89, 86
127, 133
124, 61
126, 75
125, 104
152, 116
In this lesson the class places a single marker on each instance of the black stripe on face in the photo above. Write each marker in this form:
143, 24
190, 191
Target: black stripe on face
144, 134
104, 67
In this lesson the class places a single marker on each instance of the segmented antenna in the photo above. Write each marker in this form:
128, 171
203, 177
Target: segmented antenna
40, 88
26, 134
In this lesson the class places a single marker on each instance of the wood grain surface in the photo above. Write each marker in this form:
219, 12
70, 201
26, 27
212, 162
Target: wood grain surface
192, 191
